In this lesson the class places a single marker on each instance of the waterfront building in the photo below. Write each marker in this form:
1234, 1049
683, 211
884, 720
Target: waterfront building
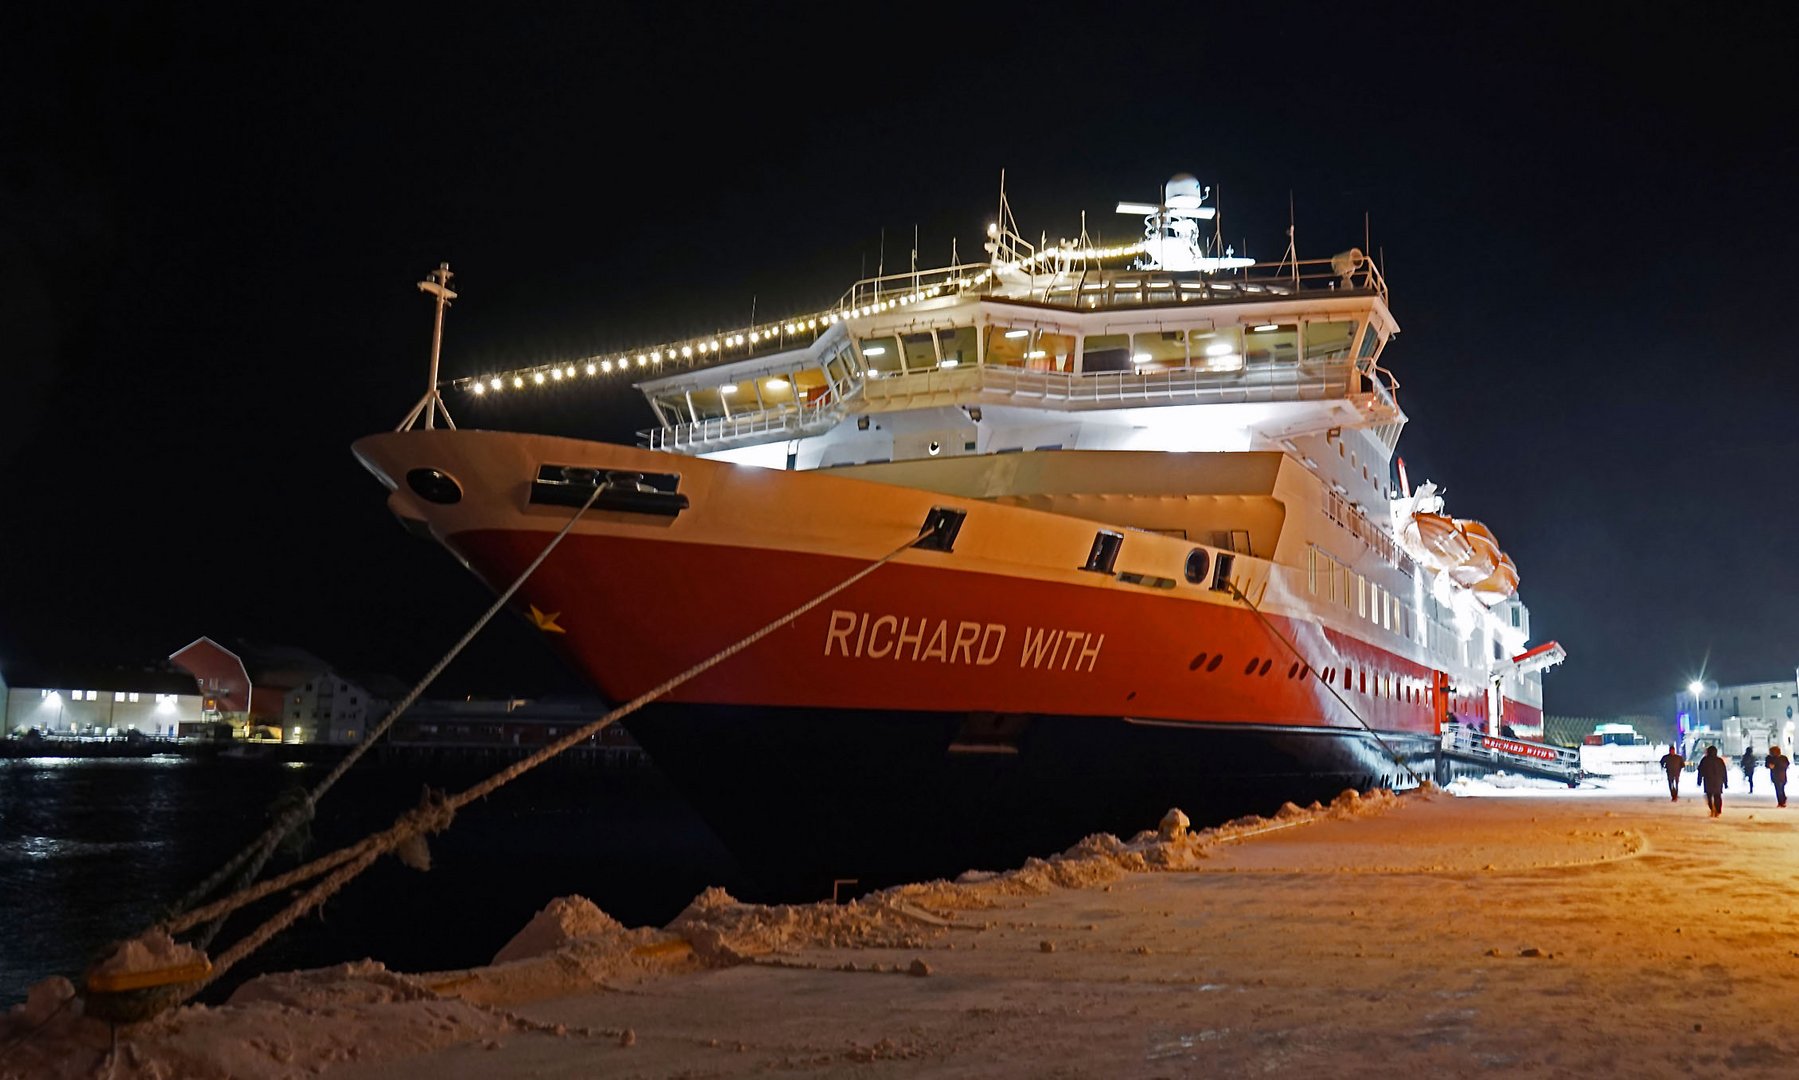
278, 692
1757, 714
114, 702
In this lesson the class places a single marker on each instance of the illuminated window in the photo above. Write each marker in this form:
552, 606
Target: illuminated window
1277, 345
1328, 340
1159, 350
133, 696
1106, 352
1217, 350
957, 344
920, 351
118, 696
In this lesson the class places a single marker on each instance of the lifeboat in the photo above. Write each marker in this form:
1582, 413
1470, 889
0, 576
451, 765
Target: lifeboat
1439, 540
1502, 584
1484, 555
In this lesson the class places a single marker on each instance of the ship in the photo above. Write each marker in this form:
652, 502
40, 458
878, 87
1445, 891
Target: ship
1124, 525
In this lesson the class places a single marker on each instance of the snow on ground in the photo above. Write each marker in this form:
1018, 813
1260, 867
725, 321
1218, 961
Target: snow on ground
1566, 934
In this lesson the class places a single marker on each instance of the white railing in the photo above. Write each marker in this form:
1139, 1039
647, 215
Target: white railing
1108, 388
809, 418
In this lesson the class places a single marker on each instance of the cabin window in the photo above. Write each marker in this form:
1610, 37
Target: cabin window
1051, 352
1106, 352
1198, 562
1328, 340
920, 351
1271, 343
881, 354
1006, 345
957, 344
1159, 350
1218, 350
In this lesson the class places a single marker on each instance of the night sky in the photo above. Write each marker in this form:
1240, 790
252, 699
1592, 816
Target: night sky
211, 222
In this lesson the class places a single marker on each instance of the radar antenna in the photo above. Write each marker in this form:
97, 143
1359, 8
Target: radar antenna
437, 283
1171, 238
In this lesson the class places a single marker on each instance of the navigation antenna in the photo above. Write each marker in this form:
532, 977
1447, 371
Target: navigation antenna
437, 283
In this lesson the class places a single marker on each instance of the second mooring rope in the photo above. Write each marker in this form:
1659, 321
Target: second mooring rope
435, 812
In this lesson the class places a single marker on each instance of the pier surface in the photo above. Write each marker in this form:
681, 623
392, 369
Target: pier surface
1556, 935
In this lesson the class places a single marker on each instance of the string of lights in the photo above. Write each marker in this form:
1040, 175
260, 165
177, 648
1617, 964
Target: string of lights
788, 333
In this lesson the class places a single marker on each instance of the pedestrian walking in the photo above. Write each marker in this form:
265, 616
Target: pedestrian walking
1749, 766
1777, 772
1672, 763
1714, 777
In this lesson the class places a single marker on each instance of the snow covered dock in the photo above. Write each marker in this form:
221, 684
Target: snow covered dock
1564, 934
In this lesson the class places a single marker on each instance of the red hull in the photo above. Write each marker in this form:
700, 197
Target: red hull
635, 612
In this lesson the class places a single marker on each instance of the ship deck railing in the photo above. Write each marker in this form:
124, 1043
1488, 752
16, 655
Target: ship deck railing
997, 385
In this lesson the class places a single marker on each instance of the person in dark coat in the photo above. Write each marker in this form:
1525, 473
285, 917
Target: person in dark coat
1672, 763
1714, 777
1748, 764
1777, 772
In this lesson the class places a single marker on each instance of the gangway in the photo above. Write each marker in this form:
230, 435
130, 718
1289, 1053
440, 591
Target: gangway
1467, 747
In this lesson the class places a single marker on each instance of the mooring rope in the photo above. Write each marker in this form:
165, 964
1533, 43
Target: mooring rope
434, 814
255, 855
1328, 685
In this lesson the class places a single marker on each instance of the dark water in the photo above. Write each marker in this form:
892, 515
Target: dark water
93, 850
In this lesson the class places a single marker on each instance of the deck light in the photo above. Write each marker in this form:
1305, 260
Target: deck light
1695, 688
590, 369
480, 388
537, 378
556, 373
495, 384
517, 382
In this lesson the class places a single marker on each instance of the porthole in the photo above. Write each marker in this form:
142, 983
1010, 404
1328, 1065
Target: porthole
935, 448
1216, 660
1293, 670
1198, 562
1251, 668
1197, 660
1266, 664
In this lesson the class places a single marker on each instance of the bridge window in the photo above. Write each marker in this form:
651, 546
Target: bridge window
1106, 352
811, 386
708, 404
920, 351
1272, 343
1370, 342
1218, 350
1051, 352
1006, 345
1328, 340
1159, 350
957, 344
882, 354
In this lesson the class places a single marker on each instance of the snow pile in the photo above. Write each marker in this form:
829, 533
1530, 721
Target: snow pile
563, 920
723, 930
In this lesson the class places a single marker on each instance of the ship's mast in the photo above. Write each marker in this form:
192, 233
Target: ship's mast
437, 283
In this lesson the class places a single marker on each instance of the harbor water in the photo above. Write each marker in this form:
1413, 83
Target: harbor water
95, 849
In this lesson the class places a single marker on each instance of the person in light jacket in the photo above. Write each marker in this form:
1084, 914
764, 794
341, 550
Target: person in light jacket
1714, 777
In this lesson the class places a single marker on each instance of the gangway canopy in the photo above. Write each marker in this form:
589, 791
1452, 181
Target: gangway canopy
1546, 655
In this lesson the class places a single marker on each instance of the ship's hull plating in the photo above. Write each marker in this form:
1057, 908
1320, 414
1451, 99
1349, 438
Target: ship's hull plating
806, 796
